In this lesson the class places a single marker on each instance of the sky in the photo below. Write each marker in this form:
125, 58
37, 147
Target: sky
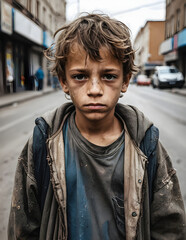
134, 13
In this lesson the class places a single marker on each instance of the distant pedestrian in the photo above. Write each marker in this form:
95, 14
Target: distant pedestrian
39, 76
55, 82
95, 169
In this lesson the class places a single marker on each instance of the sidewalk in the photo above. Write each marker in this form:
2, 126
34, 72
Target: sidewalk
13, 98
10, 99
178, 91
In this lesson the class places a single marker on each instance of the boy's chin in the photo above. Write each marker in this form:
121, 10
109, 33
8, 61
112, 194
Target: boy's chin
95, 116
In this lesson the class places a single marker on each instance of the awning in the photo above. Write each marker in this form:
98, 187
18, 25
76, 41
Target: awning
182, 38
166, 46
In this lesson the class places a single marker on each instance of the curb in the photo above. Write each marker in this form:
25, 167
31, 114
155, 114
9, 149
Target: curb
26, 98
180, 92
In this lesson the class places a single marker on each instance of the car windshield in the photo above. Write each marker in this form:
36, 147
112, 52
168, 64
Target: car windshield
168, 70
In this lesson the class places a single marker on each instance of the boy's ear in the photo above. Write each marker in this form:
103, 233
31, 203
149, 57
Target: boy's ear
64, 85
126, 83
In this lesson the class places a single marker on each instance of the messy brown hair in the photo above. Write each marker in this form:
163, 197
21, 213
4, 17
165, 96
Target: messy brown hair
92, 31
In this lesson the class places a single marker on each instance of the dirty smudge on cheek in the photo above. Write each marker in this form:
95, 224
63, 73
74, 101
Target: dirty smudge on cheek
76, 97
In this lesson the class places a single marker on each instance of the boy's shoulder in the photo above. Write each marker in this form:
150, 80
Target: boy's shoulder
136, 122
55, 117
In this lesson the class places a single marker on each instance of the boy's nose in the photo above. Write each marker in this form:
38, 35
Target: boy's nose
95, 87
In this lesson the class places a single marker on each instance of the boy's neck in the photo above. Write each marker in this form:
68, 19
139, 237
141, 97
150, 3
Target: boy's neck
101, 133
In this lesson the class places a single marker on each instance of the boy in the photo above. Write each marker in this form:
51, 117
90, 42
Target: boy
102, 173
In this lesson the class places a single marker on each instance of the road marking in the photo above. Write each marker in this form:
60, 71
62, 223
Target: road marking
157, 94
142, 101
17, 121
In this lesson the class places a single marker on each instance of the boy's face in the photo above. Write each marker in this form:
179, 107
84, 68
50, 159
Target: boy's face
94, 87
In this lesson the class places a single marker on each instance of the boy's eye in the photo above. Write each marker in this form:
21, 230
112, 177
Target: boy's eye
79, 77
109, 77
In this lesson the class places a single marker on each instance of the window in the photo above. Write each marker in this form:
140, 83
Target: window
37, 9
172, 26
167, 29
44, 15
55, 24
168, 2
177, 20
50, 18
29, 5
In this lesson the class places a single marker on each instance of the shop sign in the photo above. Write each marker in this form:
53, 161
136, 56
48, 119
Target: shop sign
182, 38
6, 17
166, 46
25, 27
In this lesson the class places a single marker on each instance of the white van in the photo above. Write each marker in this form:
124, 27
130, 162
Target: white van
167, 76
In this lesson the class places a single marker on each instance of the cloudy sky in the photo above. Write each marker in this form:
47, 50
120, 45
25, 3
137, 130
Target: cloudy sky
134, 13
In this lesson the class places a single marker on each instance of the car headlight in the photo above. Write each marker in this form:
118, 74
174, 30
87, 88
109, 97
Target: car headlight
179, 77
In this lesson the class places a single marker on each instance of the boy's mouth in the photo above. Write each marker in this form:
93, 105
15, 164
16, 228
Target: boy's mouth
94, 106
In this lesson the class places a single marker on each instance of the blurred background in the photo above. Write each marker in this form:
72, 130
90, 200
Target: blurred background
28, 88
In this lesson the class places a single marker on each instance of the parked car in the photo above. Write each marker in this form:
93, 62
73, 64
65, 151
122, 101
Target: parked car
167, 76
142, 79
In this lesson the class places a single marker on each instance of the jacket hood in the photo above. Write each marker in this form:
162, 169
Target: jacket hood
55, 117
136, 123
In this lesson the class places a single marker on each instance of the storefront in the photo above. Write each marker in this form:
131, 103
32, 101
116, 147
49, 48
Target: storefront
1, 69
21, 50
6, 49
171, 58
174, 51
47, 42
148, 68
20, 66
22, 43
168, 49
9, 66
17, 48
27, 49
182, 51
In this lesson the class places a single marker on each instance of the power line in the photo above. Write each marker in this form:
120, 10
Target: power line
137, 8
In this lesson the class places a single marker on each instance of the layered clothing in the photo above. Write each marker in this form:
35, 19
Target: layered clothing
153, 205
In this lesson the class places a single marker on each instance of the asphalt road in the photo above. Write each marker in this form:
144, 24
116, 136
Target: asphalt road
166, 110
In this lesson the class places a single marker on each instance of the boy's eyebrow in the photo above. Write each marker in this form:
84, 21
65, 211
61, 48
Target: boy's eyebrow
78, 69
111, 69
85, 69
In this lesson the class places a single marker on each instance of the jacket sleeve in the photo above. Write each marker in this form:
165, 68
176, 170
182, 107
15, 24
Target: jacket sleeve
25, 216
167, 208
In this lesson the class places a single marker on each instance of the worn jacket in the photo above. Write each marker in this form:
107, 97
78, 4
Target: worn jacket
159, 218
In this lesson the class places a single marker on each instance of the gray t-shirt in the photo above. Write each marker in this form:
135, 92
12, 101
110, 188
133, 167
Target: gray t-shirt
95, 189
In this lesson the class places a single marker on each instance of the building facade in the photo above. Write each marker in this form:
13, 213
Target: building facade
146, 44
26, 29
173, 48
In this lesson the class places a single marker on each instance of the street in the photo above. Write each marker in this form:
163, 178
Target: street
166, 110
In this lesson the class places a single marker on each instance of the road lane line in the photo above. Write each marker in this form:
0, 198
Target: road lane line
157, 94
15, 122
36, 114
